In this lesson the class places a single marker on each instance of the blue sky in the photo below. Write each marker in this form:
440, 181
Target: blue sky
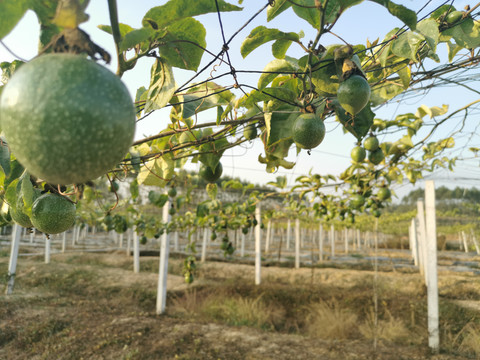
367, 21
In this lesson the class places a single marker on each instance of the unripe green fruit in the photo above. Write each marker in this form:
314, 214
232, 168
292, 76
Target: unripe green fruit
211, 176
53, 214
353, 94
66, 118
371, 143
384, 193
172, 192
358, 154
250, 132
308, 131
376, 157
454, 17
357, 201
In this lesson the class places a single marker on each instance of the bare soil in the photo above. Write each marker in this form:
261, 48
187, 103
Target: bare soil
92, 306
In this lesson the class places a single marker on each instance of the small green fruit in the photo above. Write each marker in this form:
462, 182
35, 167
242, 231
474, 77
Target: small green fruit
353, 94
384, 193
358, 154
211, 176
172, 192
371, 143
53, 214
376, 157
357, 201
250, 132
453, 17
308, 131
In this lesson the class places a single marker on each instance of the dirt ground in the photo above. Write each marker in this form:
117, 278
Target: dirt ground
92, 306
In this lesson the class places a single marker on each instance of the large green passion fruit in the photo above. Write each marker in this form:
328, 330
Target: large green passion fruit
353, 94
53, 214
66, 118
308, 131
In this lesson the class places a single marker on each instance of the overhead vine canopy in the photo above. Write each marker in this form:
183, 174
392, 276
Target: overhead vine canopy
406, 62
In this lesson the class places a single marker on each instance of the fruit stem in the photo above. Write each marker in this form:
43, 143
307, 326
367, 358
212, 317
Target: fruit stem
117, 37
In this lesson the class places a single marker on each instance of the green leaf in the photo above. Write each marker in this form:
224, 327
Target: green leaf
453, 49
407, 45
345, 4
134, 38
11, 11
45, 11
279, 125
203, 97
278, 94
466, 33
27, 192
211, 152
409, 17
261, 35
308, 12
162, 86
275, 68
134, 191
324, 73
174, 10
158, 173
157, 198
358, 126
383, 92
11, 193
124, 29
183, 44
429, 29
5, 159
8, 69
212, 190
278, 7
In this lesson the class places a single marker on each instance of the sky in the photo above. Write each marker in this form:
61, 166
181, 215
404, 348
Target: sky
367, 21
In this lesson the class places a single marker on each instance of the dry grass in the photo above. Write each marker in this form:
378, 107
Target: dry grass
329, 320
470, 342
391, 330
232, 310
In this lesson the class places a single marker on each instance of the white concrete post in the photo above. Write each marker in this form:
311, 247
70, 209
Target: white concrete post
176, 247
129, 241
320, 242
136, 253
464, 239
242, 245
204, 245
47, 249
163, 267
422, 239
267, 238
12, 264
297, 244
332, 240
414, 242
32, 234
74, 235
64, 241
258, 249
289, 228
345, 232
432, 280
120, 240
475, 242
